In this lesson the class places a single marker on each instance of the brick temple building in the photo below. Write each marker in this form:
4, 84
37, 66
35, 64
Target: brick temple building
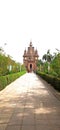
30, 58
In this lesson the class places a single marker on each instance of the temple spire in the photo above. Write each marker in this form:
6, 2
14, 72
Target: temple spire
30, 43
30, 58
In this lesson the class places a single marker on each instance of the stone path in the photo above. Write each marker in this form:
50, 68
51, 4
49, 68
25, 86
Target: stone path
29, 104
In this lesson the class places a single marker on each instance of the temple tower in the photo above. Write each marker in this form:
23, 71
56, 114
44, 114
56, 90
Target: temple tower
30, 58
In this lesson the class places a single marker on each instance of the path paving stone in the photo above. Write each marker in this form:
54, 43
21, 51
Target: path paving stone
29, 103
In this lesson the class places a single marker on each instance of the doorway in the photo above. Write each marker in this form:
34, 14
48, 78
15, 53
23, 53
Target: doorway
30, 67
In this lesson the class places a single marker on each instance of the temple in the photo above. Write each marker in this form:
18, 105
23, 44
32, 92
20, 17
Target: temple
30, 58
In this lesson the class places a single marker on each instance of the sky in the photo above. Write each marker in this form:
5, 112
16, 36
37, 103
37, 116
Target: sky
22, 21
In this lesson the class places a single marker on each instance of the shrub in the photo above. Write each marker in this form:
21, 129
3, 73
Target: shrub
51, 79
5, 80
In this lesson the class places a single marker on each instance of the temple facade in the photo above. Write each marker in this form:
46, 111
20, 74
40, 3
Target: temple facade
30, 58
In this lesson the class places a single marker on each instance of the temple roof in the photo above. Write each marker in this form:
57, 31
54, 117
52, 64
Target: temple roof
30, 43
31, 51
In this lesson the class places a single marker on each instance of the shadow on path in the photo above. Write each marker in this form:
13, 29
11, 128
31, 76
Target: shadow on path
28, 104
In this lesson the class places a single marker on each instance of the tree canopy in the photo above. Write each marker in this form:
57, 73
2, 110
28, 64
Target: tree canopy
7, 64
50, 63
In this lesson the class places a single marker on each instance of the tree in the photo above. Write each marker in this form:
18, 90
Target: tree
48, 57
39, 64
7, 65
56, 64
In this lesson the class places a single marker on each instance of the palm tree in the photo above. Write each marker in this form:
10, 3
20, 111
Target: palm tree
48, 57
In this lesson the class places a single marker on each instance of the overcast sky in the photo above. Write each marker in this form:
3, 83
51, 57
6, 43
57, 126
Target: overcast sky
22, 21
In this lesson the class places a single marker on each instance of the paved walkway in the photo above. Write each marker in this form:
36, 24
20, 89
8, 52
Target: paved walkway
28, 104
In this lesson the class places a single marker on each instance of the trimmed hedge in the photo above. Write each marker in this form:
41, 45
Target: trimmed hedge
5, 80
55, 82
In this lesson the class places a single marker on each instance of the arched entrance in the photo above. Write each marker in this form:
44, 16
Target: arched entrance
30, 67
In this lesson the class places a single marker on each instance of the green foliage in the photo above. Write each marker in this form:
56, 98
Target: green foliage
56, 64
45, 67
39, 65
53, 75
5, 80
51, 65
51, 79
7, 65
3, 65
47, 57
23, 68
9, 69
